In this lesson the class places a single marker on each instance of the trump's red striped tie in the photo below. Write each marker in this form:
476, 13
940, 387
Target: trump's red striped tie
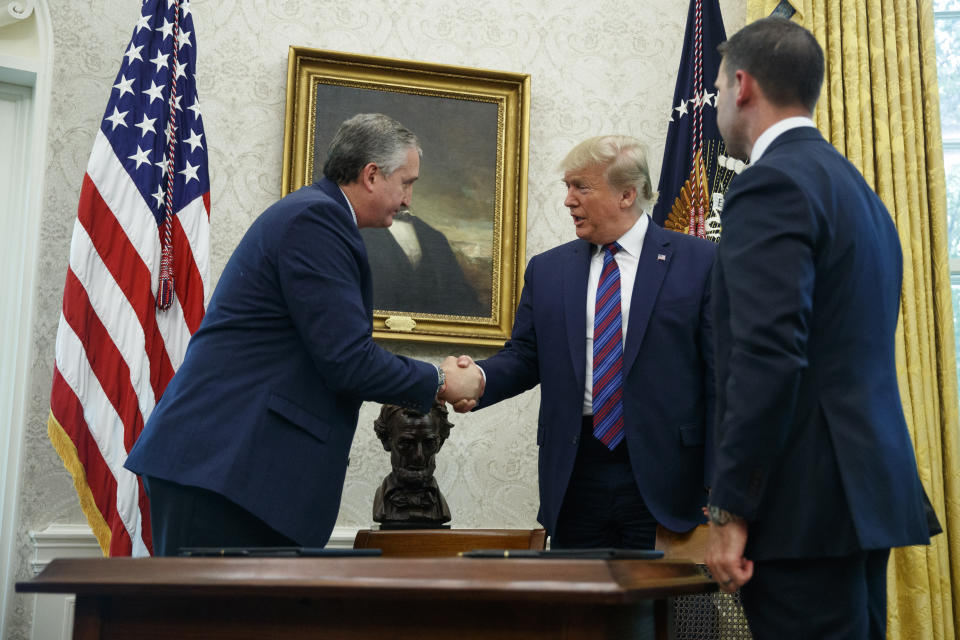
608, 354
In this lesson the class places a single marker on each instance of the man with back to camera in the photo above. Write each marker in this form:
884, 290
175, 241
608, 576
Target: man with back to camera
615, 328
815, 473
248, 445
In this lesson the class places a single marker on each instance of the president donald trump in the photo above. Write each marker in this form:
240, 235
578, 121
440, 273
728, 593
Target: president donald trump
614, 327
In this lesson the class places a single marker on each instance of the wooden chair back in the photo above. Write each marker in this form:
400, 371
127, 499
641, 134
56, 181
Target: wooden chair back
691, 545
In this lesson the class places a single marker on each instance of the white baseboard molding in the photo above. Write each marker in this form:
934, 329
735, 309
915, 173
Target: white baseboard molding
53, 613
342, 537
62, 541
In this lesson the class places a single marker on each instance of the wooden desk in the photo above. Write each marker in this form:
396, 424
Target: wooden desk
352, 598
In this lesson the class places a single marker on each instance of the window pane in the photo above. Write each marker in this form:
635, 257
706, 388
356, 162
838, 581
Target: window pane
948, 73
951, 164
946, 5
955, 287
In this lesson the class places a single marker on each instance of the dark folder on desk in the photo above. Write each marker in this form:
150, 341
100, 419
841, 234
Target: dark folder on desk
273, 552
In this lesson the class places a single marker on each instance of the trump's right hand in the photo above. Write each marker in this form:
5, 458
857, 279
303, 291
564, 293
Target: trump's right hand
464, 384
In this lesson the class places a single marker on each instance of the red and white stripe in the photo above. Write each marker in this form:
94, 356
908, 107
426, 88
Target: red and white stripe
115, 352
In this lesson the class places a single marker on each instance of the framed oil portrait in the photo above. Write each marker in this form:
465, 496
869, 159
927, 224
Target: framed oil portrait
450, 269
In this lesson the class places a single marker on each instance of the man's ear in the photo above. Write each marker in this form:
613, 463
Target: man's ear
628, 197
368, 176
745, 86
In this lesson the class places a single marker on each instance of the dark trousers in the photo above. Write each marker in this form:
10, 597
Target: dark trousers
602, 506
824, 598
183, 516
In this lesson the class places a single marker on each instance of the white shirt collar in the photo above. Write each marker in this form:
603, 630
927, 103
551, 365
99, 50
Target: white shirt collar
349, 206
632, 240
771, 134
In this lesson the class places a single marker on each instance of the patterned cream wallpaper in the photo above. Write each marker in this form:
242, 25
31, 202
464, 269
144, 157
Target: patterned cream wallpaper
604, 66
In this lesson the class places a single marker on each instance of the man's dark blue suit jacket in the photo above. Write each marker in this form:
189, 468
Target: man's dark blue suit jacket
668, 365
812, 446
264, 408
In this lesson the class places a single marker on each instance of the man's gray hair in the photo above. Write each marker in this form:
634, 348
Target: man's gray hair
366, 138
625, 162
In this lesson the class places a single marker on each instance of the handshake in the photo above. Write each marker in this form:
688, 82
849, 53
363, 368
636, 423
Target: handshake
464, 383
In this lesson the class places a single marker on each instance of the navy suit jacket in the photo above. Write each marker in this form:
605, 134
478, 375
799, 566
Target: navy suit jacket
668, 364
812, 446
264, 408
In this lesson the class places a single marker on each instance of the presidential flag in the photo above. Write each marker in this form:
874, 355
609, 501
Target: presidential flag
696, 170
138, 272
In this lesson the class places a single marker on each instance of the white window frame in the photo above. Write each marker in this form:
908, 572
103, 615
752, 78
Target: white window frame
951, 145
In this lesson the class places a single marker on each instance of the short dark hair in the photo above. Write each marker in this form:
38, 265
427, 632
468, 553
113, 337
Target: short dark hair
785, 59
366, 138
381, 426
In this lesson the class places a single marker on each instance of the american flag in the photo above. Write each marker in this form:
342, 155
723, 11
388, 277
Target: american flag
142, 226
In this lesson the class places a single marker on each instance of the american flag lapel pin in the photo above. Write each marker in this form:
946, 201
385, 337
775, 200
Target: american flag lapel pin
661, 257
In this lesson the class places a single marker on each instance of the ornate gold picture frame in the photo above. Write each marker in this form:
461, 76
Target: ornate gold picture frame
459, 281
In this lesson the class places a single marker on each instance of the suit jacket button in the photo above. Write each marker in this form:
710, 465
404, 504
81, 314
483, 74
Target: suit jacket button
575, 440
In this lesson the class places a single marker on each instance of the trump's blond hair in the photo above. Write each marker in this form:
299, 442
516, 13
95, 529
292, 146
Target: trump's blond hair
625, 164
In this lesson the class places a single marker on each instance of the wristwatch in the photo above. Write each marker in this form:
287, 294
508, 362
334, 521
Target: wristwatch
441, 380
720, 516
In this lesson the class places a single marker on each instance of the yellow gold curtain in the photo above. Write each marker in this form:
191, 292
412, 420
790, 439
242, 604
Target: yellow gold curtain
880, 107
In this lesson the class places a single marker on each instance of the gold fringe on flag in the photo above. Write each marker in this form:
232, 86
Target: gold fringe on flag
71, 460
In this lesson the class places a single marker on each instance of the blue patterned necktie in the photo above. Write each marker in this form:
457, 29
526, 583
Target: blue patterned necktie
608, 354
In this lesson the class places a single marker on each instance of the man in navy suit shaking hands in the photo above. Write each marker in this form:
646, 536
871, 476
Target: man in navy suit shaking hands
248, 445
815, 473
614, 326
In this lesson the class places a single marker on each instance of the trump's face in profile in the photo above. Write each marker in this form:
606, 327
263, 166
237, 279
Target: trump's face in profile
600, 212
